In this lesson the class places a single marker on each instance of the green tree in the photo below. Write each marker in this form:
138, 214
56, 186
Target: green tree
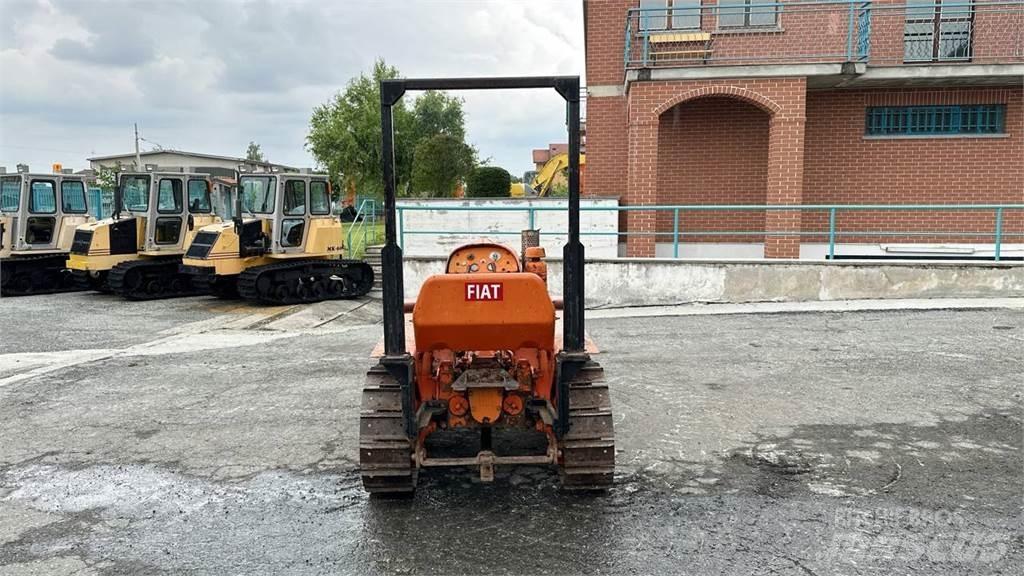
559, 189
253, 153
437, 113
344, 133
440, 162
489, 182
106, 177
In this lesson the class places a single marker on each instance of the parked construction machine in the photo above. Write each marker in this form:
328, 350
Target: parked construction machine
38, 217
283, 247
544, 180
486, 361
136, 252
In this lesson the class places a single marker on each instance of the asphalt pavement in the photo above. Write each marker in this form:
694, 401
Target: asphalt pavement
197, 436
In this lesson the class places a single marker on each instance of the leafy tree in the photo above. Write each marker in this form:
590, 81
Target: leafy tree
440, 162
344, 133
437, 113
106, 177
253, 153
559, 189
489, 182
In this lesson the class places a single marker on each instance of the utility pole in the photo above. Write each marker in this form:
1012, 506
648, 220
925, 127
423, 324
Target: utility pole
138, 157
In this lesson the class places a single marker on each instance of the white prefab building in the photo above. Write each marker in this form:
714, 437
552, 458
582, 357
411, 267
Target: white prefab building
190, 161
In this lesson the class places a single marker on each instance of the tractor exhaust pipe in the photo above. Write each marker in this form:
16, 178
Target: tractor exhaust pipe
237, 188
530, 239
118, 199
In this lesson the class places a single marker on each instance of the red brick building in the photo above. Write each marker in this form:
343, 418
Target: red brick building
752, 102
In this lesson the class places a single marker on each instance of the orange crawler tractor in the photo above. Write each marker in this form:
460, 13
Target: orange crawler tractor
485, 367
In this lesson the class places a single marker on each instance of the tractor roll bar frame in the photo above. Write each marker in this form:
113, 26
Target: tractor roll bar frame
391, 255
396, 359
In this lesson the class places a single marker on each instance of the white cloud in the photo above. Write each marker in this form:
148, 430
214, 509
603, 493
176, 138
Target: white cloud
211, 75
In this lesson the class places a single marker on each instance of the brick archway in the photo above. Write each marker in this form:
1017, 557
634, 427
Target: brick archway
712, 149
739, 93
783, 99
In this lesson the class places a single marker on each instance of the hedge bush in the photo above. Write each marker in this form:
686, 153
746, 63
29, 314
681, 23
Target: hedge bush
488, 182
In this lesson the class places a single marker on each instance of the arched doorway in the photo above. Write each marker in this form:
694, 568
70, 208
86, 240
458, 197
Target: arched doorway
713, 150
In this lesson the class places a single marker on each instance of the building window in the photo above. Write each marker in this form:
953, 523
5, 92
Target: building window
934, 32
935, 120
747, 14
670, 15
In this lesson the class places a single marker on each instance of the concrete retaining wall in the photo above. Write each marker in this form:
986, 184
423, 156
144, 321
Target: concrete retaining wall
645, 282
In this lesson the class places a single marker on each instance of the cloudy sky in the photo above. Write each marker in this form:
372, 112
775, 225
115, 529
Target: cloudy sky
211, 75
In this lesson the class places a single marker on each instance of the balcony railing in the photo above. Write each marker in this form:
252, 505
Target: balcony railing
738, 32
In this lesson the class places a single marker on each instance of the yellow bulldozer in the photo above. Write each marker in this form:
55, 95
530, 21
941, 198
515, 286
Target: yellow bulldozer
283, 247
136, 252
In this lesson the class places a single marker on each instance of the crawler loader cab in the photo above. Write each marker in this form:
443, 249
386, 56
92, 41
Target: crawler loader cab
284, 245
38, 217
136, 252
488, 365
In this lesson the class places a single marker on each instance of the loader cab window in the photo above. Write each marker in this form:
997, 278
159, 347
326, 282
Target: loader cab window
294, 198
42, 199
198, 197
10, 194
319, 198
292, 230
135, 193
167, 230
72, 197
169, 196
258, 194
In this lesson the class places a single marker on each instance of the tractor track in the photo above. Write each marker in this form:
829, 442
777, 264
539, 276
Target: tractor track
587, 460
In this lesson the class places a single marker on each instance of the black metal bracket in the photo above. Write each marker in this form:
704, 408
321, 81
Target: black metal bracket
401, 368
567, 366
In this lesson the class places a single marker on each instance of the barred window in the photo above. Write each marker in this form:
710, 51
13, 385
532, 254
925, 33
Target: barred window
935, 120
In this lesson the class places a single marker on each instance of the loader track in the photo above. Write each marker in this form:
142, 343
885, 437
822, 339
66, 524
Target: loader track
86, 281
43, 274
385, 452
152, 280
306, 281
588, 449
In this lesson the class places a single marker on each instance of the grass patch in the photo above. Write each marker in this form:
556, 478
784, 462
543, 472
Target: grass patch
363, 235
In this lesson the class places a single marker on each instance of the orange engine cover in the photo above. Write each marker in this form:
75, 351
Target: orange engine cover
484, 311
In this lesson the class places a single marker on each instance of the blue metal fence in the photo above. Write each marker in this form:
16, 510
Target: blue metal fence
834, 232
